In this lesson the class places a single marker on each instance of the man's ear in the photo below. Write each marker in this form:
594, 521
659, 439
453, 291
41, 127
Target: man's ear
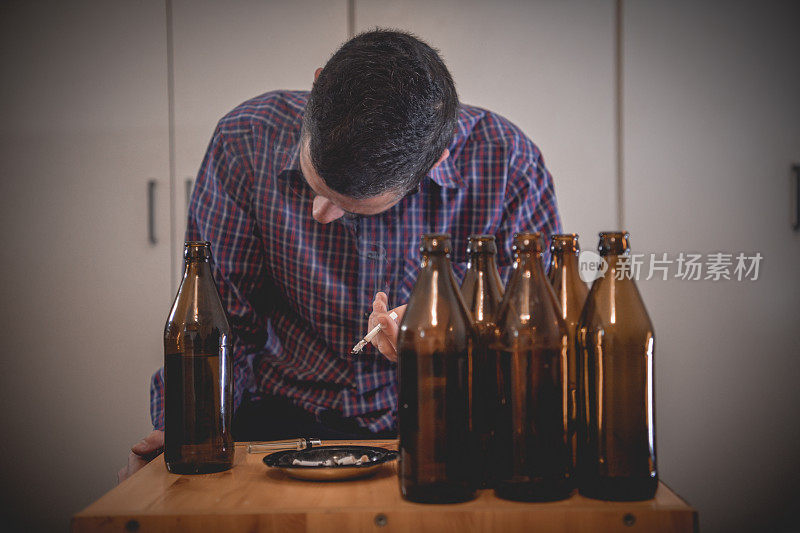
445, 155
316, 73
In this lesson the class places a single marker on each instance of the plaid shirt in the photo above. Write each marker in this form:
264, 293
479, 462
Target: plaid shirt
298, 293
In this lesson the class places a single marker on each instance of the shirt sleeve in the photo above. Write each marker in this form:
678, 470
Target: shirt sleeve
220, 212
157, 399
530, 204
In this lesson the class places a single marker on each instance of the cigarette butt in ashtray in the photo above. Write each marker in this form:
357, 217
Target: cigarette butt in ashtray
371, 335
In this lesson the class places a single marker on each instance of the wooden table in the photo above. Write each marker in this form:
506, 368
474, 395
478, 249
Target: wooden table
251, 497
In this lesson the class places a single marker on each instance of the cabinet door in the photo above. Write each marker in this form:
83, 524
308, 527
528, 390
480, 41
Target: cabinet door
227, 52
547, 67
85, 295
712, 128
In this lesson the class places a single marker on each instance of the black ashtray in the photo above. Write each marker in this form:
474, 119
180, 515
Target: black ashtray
329, 463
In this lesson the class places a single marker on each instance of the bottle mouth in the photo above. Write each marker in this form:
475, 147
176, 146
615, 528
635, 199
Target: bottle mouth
527, 242
435, 243
481, 244
193, 250
614, 242
564, 242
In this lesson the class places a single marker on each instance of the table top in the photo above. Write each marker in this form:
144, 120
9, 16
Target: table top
253, 497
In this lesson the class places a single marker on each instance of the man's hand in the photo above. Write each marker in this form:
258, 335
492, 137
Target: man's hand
386, 340
142, 453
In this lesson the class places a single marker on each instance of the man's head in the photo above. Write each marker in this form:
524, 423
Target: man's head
381, 114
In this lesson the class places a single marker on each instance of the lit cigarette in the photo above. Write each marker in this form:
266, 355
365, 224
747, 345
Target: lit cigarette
371, 335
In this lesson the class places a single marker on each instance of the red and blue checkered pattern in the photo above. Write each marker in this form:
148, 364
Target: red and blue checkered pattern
298, 292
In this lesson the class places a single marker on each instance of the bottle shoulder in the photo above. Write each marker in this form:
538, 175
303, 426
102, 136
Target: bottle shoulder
482, 294
436, 312
571, 293
197, 307
616, 305
530, 310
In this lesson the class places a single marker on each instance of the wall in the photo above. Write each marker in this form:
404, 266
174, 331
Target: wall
710, 129
84, 295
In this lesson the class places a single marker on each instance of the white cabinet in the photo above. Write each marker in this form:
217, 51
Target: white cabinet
546, 66
85, 295
228, 52
86, 127
712, 128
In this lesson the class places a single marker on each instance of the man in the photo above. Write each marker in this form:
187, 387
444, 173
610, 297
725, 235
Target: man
314, 204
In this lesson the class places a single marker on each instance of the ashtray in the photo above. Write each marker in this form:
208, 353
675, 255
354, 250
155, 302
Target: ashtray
329, 463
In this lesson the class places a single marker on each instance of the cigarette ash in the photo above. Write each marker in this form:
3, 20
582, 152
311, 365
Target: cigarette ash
347, 460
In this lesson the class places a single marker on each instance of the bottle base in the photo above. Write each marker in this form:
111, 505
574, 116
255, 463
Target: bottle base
537, 491
438, 493
198, 468
619, 489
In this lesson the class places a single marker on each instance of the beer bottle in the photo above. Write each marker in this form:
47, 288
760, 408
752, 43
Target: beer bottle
617, 455
531, 348
434, 346
197, 373
571, 295
482, 289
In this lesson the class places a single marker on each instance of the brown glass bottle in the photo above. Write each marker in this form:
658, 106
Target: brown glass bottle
198, 398
531, 444
482, 290
616, 343
434, 345
571, 294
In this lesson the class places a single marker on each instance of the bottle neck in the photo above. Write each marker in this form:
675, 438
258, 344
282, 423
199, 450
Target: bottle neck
435, 260
482, 262
530, 261
564, 260
196, 267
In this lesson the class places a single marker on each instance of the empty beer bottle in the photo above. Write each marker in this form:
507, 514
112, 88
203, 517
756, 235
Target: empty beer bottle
571, 294
482, 289
434, 346
197, 373
531, 348
617, 455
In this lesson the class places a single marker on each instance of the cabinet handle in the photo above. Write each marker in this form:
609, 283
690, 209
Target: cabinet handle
151, 212
189, 183
796, 221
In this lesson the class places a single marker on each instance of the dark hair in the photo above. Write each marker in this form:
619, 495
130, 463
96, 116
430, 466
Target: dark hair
380, 114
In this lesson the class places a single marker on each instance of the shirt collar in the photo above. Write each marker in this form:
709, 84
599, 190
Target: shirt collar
444, 175
290, 159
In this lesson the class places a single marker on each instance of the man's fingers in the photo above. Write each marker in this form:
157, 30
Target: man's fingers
390, 327
379, 305
135, 463
401, 311
387, 347
142, 453
150, 444
386, 340
122, 474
